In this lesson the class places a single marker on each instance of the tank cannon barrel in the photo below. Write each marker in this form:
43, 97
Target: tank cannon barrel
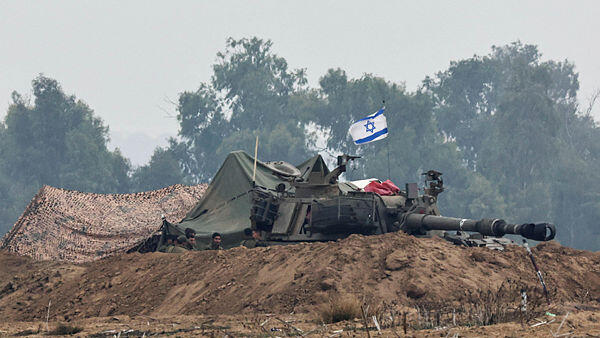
487, 227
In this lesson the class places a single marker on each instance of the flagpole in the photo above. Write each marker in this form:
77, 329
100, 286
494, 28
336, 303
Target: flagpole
388, 153
388, 149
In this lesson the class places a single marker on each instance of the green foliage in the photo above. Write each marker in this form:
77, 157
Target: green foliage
163, 170
249, 96
56, 141
257, 83
516, 122
414, 143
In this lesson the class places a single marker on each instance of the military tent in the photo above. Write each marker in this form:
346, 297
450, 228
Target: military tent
225, 207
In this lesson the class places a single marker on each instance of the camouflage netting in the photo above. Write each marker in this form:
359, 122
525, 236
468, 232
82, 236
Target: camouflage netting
80, 227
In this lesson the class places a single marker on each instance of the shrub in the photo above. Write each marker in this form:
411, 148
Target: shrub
63, 329
339, 308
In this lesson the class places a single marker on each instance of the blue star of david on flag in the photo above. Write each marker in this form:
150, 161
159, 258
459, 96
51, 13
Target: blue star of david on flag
369, 129
370, 126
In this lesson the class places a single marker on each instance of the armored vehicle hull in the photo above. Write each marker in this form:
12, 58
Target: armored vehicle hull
324, 209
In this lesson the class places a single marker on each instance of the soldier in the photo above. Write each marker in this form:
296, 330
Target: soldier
191, 243
179, 245
169, 242
253, 239
190, 234
215, 244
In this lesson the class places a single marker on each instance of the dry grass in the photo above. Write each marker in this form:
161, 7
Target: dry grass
28, 332
339, 308
64, 329
487, 307
482, 307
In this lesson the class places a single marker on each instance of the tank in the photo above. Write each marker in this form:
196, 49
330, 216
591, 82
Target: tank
321, 208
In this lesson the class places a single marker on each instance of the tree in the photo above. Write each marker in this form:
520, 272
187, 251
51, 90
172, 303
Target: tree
57, 141
202, 127
414, 143
163, 170
249, 95
515, 120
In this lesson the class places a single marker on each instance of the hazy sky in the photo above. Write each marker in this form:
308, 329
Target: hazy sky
129, 59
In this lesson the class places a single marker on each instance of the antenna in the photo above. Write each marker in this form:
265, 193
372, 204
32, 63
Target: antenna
255, 157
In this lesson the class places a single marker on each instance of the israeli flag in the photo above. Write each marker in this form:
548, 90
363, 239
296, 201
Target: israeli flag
369, 129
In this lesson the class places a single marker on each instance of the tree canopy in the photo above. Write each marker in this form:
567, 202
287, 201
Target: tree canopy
515, 120
250, 95
55, 141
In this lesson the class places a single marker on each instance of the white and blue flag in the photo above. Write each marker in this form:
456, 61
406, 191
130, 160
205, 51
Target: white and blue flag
369, 129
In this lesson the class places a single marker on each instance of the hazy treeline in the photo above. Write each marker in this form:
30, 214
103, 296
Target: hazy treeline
505, 129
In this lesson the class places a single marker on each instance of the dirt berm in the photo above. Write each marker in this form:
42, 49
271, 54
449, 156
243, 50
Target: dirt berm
395, 268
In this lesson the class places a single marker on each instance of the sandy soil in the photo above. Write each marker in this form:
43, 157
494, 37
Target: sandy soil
442, 289
575, 324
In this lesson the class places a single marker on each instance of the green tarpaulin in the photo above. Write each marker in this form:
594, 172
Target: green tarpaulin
225, 207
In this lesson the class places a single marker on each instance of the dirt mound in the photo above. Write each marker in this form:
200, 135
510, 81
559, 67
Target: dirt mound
394, 268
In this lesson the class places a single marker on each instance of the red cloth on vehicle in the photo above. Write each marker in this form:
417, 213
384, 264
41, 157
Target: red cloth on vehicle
385, 188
